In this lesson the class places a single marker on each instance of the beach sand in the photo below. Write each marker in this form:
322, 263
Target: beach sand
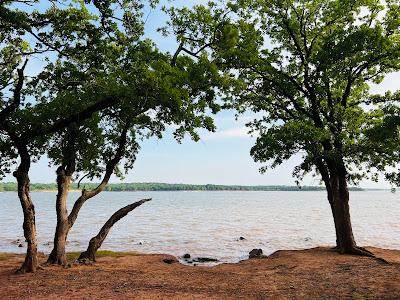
318, 273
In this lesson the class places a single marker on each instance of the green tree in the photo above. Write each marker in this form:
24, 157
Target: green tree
73, 37
158, 94
305, 67
102, 87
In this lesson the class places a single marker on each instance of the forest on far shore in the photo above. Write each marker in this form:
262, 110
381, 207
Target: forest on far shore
137, 186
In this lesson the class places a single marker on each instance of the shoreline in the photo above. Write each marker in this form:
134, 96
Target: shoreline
73, 255
316, 273
133, 191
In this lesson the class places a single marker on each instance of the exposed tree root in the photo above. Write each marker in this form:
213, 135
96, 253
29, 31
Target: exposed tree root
366, 250
21, 271
59, 262
360, 251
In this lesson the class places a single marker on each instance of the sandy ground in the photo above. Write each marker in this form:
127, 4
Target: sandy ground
307, 274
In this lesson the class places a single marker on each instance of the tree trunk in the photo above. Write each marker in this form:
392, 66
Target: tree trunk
58, 254
338, 196
31, 262
65, 221
96, 242
339, 201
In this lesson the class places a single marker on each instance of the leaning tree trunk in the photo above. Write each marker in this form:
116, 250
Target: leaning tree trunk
58, 254
21, 174
96, 242
60, 236
65, 221
64, 176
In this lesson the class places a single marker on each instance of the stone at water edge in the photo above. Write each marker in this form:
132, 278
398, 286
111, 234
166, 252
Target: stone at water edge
186, 256
170, 260
204, 259
17, 242
256, 253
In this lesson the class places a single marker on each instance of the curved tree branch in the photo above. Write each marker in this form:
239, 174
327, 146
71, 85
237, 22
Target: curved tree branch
96, 242
111, 164
17, 95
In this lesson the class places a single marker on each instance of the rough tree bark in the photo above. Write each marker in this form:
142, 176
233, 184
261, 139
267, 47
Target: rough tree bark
65, 221
339, 202
30, 263
96, 242
58, 254
22, 175
64, 176
335, 179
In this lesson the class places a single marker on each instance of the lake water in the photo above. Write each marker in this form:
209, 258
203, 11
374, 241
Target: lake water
209, 223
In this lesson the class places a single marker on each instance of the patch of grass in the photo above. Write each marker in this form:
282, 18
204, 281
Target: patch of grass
5, 256
102, 253
72, 255
8, 255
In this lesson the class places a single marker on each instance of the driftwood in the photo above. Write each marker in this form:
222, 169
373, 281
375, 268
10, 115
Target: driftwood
96, 242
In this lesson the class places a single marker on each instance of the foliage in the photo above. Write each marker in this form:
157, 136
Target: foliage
65, 37
306, 67
99, 75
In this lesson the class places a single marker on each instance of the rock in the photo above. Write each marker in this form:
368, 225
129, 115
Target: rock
241, 238
256, 253
205, 259
84, 261
20, 245
186, 256
169, 260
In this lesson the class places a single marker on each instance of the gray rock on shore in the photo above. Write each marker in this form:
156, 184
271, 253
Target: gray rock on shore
256, 253
204, 259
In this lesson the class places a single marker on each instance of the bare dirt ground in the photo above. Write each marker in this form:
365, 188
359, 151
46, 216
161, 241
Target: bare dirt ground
318, 273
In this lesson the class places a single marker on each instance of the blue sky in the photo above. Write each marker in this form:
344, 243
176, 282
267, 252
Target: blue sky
219, 158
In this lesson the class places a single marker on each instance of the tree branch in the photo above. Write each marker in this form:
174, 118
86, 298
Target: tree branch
78, 117
17, 95
110, 166
96, 242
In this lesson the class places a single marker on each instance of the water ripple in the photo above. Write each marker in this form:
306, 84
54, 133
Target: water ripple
209, 223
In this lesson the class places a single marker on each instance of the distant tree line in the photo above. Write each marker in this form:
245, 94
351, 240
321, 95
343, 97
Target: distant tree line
146, 186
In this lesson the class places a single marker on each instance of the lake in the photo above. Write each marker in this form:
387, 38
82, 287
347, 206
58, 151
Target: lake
209, 223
